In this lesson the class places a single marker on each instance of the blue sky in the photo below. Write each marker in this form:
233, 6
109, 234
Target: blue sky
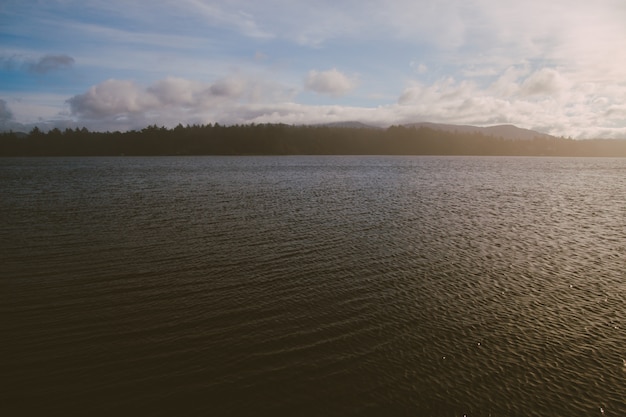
555, 66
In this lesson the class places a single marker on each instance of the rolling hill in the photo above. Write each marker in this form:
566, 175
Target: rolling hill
504, 131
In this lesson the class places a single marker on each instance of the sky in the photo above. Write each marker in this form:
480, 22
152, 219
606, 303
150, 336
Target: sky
556, 66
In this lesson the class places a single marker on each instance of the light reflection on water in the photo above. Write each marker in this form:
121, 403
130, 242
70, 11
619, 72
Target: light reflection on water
434, 286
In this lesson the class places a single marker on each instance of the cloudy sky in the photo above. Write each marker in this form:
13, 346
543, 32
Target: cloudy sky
556, 66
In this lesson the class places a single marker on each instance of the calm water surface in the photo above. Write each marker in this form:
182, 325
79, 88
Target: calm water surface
313, 286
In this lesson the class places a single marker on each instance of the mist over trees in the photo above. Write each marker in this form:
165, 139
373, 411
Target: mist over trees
280, 139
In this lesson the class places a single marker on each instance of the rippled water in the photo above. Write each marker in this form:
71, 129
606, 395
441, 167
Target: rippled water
322, 286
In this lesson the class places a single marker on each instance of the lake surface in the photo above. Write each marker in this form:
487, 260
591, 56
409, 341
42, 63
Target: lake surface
313, 286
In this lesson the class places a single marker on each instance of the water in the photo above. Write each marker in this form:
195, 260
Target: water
297, 286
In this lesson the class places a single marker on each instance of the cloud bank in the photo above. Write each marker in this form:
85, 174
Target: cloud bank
331, 82
544, 100
125, 104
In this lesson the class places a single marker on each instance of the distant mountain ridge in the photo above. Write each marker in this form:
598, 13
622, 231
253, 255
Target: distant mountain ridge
508, 131
348, 124
504, 131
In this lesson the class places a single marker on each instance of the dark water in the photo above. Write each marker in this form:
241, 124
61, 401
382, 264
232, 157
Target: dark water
313, 286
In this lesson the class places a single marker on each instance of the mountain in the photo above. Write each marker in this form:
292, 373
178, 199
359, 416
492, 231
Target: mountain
510, 132
348, 124
505, 131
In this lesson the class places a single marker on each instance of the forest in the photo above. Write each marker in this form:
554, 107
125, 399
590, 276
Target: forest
281, 139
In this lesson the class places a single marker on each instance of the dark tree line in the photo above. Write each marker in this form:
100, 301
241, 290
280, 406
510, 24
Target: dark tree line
280, 139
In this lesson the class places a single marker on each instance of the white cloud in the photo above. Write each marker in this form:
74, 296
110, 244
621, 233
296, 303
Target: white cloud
332, 82
124, 97
546, 81
543, 100
127, 104
176, 91
110, 98
228, 87
507, 83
